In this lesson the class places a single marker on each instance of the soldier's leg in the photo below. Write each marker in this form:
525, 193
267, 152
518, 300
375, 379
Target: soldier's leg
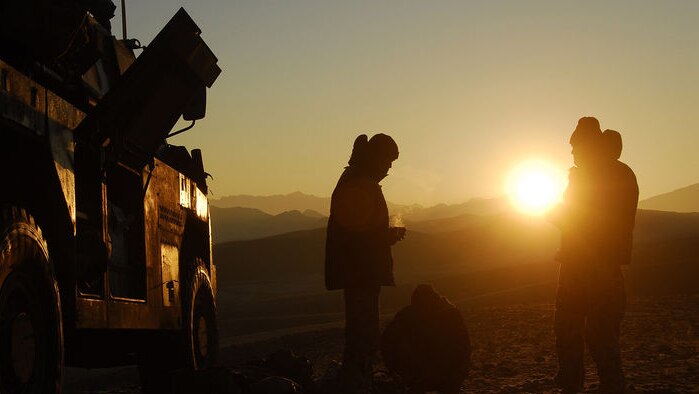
373, 331
569, 325
451, 384
361, 334
353, 338
603, 328
570, 349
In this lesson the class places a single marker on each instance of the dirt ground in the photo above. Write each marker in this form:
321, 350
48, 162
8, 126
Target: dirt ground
513, 350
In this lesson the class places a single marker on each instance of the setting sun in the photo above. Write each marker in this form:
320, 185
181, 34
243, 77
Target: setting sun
535, 186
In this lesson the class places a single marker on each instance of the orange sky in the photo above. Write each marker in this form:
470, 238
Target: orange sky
468, 89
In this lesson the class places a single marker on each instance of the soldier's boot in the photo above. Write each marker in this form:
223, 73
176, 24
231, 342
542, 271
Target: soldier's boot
611, 379
355, 377
602, 334
570, 349
567, 384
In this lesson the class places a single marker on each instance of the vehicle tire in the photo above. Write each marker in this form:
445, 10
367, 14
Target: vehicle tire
194, 348
200, 322
31, 332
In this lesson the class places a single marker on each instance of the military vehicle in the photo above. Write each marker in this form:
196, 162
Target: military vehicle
105, 244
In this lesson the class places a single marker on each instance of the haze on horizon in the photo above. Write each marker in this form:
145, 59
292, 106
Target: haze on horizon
468, 89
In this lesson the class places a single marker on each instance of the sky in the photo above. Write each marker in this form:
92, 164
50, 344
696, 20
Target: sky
468, 89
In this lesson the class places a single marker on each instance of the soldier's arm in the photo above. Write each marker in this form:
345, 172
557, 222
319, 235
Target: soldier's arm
355, 207
563, 212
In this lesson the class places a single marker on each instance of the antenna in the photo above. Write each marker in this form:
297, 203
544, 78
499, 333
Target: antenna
123, 19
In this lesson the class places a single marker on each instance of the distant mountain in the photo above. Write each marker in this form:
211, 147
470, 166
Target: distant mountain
313, 214
277, 282
685, 199
229, 224
661, 239
501, 240
446, 225
276, 204
474, 206
312, 205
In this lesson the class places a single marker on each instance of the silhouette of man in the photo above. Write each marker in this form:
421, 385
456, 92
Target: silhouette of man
358, 253
427, 344
596, 221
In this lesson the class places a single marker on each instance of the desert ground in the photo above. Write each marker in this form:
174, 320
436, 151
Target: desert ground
513, 349
498, 272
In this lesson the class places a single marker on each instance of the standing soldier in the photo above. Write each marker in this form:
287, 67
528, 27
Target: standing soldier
358, 253
596, 222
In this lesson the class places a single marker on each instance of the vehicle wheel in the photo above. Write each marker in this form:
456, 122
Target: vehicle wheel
31, 333
195, 347
200, 323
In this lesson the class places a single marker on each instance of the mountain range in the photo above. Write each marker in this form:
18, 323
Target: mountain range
685, 199
461, 244
229, 224
298, 201
276, 204
270, 266
246, 217
498, 259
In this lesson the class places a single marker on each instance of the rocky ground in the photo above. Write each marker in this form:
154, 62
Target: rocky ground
513, 351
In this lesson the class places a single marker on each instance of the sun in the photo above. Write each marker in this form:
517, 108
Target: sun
535, 186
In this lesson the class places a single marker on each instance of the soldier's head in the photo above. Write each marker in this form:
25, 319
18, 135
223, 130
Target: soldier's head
424, 295
586, 142
611, 140
374, 156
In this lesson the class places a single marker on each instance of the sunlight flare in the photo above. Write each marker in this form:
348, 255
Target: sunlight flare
535, 186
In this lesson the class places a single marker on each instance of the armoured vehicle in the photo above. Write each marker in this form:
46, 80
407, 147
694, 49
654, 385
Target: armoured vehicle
105, 246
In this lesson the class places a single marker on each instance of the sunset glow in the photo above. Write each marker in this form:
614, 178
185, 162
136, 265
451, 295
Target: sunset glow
535, 186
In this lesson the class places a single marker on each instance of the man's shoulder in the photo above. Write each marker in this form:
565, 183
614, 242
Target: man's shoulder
621, 165
405, 316
622, 169
350, 180
623, 178
573, 173
353, 186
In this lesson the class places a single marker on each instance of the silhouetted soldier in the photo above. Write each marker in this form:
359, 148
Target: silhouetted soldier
427, 344
596, 221
358, 253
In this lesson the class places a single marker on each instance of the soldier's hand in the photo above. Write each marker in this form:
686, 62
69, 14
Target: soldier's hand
396, 234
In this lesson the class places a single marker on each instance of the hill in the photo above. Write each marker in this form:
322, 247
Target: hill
230, 224
685, 199
480, 244
498, 241
277, 282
